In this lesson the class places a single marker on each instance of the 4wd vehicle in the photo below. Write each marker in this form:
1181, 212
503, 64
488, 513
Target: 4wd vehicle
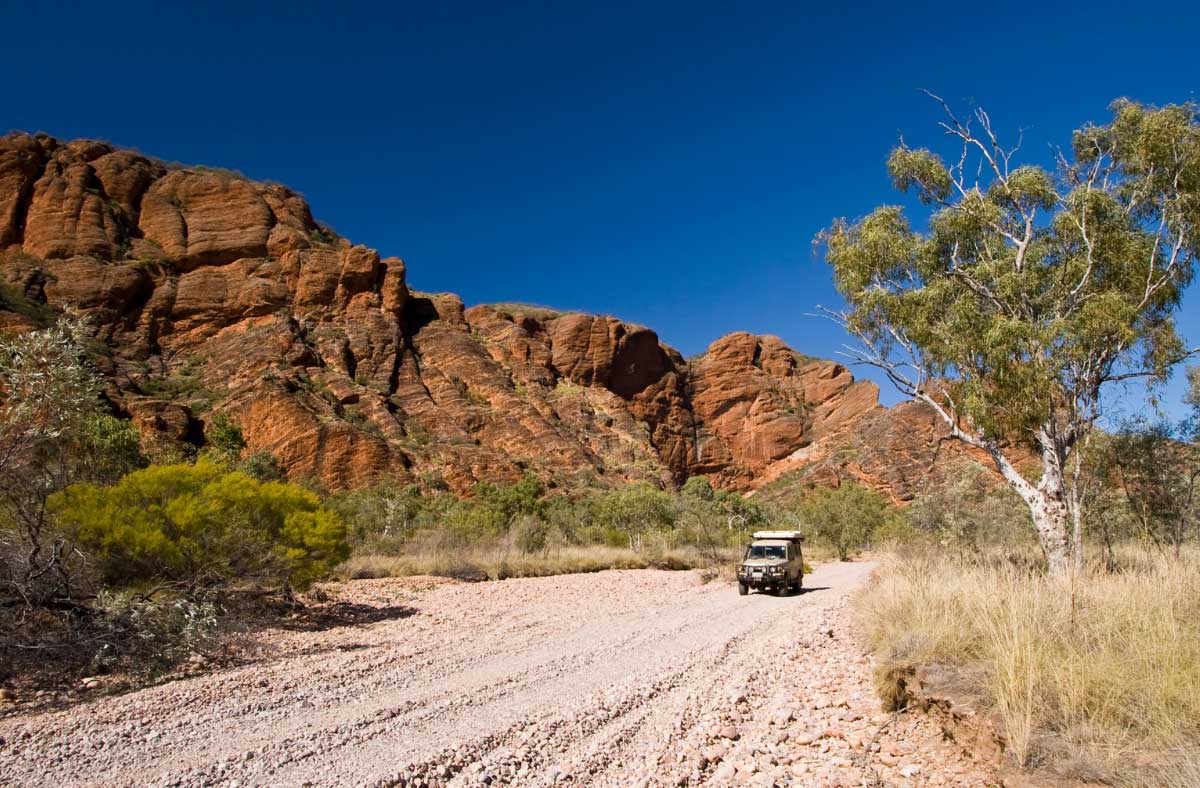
773, 562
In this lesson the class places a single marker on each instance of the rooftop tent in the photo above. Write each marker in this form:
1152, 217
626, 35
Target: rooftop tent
794, 536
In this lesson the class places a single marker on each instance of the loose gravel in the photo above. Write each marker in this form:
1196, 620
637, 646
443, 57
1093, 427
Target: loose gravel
620, 678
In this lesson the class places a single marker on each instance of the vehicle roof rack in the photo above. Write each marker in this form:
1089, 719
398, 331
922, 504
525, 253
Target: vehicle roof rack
794, 536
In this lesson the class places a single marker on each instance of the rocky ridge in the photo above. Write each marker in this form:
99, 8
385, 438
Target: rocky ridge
214, 293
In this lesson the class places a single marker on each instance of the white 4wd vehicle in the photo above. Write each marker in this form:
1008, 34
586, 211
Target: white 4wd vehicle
773, 562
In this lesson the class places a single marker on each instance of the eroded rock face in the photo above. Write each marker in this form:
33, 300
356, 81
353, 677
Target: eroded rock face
206, 218
759, 401
214, 292
22, 159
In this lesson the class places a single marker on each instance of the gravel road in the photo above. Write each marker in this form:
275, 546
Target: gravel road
616, 678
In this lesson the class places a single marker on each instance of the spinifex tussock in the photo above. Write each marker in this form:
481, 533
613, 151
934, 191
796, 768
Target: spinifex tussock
1103, 673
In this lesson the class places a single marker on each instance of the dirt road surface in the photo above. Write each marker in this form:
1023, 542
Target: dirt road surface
619, 678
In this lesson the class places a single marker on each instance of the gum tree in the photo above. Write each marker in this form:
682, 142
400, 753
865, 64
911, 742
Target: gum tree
1029, 290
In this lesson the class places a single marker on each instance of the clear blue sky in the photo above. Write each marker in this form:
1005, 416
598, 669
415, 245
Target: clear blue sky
666, 163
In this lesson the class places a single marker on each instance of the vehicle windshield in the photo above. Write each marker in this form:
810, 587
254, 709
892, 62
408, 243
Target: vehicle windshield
766, 551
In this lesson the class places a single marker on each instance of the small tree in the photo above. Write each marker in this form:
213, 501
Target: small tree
844, 517
387, 512
53, 432
1155, 473
224, 439
715, 513
522, 498
1030, 290
635, 509
698, 488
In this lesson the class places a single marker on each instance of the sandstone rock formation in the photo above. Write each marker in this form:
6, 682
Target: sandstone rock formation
214, 292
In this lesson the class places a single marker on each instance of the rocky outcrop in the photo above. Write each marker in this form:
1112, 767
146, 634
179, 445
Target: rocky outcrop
759, 402
216, 293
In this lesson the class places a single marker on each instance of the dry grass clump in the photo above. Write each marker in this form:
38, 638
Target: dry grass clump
1103, 674
481, 562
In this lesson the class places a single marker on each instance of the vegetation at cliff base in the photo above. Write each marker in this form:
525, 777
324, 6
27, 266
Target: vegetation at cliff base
527, 529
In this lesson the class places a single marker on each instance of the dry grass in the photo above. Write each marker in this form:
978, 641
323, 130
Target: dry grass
498, 563
1103, 676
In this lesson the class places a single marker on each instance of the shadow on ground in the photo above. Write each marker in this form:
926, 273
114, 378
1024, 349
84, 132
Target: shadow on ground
801, 592
316, 618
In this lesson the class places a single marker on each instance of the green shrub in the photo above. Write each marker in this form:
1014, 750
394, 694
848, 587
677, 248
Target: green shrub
635, 510
224, 439
152, 634
13, 300
261, 465
201, 525
531, 535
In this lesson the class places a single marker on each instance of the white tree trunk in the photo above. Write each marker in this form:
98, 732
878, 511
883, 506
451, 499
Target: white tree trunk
1052, 521
1047, 501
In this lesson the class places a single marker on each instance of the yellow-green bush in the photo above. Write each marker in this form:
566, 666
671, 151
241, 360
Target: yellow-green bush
201, 524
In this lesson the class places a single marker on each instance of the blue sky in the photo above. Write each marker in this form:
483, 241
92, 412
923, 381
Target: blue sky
666, 163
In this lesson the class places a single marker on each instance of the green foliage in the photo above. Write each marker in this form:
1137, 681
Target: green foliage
416, 434
513, 500
224, 439
635, 509
511, 310
1010, 322
153, 634
53, 432
105, 448
1147, 474
180, 383
380, 519
1192, 399
389, 522
47, 387
844, 517
969, 514
531, 535
261, 465
324, 234
698, 488
225, 444
201, 525
897, 531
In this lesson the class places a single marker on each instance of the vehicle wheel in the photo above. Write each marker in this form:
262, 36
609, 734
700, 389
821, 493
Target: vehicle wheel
799, 584
743, 589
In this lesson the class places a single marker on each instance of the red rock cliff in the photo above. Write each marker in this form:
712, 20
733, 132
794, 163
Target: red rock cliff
216, 293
